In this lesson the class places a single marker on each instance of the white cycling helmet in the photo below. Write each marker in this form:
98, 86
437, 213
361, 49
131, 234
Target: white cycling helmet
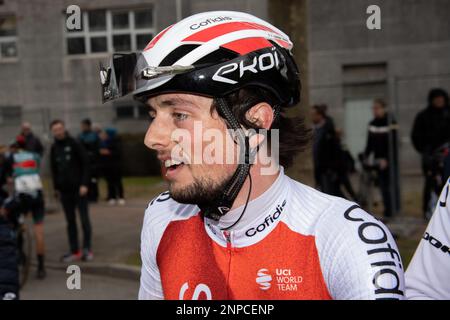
212, 54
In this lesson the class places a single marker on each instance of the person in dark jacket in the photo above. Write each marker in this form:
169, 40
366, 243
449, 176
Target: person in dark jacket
382, 132
110, 160
70, 171
325, 151
3, 174
9, 258
431, 129
32, 143
91, 142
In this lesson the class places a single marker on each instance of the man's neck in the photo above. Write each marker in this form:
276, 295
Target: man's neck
260, 183
267, 191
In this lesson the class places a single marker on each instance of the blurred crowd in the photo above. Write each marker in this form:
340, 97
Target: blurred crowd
76, 166
430, 135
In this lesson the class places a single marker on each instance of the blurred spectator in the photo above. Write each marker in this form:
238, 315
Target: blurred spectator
9, 266
325, 151
3, 164
345, 167
9, 269
91, 142
96, 128
110, 161
70, 170
430, 131
381, 132
32, 143
23, 167
446, 168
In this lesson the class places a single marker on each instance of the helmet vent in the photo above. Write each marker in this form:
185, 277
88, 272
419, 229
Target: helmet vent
177, 54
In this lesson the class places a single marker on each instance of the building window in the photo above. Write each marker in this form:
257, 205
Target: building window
8, 37
112, 31
125, 112
131, 110
10, 115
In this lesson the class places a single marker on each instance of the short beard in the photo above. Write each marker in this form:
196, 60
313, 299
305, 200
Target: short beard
201, 192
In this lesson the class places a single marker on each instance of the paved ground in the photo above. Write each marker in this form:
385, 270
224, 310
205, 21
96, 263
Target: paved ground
116, 238
116, 232
93, 287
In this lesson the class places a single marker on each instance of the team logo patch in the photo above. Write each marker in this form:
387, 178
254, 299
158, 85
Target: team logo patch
263, 279
284, 279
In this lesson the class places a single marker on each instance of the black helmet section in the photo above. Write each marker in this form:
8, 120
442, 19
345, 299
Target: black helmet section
271, 68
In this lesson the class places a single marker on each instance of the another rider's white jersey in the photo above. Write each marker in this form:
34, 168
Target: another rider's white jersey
293, 242
428, 274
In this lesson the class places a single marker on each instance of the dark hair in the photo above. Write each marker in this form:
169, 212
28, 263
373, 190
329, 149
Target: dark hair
321, 109
381, 102
55, 122
294, 135
87, 122
438, 92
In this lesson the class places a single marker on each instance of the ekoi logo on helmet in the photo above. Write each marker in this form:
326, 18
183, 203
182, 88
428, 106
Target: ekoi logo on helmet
263, 62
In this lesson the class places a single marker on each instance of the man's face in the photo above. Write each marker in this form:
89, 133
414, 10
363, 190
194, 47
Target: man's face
103, 135
26, 129
315, 116
58, 131
85, 127
438, 102
378, 110
191, 175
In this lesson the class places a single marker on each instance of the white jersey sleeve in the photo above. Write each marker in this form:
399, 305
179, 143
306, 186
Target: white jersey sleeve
427, 276
150, 288
358, 255
159, 213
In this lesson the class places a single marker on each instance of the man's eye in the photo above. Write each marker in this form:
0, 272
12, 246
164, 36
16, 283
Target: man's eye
180, 116
151, 116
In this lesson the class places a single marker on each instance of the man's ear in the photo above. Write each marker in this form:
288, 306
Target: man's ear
261, 114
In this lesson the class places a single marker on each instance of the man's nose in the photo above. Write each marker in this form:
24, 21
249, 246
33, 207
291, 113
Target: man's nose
158, 134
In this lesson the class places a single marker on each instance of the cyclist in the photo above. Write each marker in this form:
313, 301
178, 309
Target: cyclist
427, 274
231, 230
24, 170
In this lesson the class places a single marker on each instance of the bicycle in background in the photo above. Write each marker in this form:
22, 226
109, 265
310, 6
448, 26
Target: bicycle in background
435, 176
368, 181
15, 218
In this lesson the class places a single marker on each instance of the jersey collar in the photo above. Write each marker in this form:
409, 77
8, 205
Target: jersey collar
261, 216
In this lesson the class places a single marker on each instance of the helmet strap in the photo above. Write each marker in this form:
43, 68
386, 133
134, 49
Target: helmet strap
216, 208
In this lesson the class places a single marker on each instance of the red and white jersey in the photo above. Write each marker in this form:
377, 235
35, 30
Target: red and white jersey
293, 242
427, 276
